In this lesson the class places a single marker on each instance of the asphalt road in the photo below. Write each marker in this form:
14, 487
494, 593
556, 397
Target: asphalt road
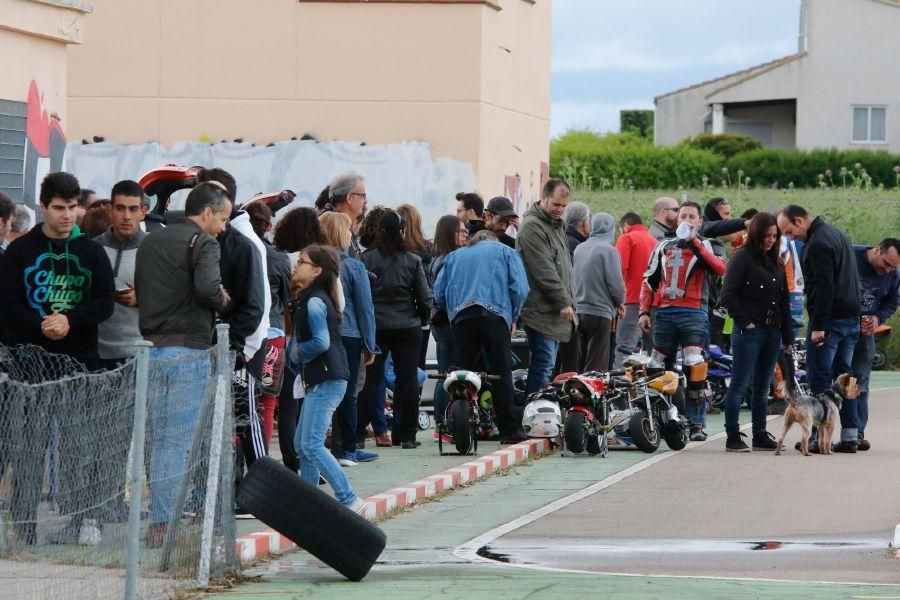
712, 513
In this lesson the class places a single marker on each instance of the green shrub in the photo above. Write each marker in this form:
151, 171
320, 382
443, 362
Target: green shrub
818, 168
624, 160
640, 121
725, 145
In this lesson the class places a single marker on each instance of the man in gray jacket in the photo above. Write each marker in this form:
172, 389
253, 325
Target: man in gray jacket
599, 292
548, 314
179, 292
118, 334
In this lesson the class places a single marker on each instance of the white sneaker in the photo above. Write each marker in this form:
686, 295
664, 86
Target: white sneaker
359, 507
89, 535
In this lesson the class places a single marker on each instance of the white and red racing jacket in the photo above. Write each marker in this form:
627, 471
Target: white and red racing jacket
677, 273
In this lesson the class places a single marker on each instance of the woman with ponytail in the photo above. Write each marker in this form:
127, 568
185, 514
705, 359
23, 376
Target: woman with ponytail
316, 352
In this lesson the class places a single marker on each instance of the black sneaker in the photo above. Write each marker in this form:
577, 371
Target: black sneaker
410, 445
734, 443
697, 434
845, 447
763, 440
863, 445
813, 447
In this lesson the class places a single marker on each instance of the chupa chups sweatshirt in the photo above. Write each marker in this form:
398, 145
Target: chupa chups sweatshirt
40, 275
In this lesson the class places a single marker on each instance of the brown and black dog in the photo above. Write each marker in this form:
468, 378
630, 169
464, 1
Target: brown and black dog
822, 411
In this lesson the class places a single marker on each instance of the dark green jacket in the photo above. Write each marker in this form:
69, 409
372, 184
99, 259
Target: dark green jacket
545, 252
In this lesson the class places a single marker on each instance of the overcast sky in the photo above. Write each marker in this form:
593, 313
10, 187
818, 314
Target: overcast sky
615, 54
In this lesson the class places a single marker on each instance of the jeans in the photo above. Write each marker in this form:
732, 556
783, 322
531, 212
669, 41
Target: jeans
543, 357
863, 355
488, 338
830, 359
755, 352
443, 338
674, 328
404, 346
346, 411
629, 334
178, 378
594, 341
315, 416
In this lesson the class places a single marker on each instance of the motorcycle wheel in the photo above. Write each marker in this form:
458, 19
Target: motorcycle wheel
576, 431
641, 434
676, 435
593, 444
424, 421
461, 422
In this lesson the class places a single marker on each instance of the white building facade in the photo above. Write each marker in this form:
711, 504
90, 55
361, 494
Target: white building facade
840, 90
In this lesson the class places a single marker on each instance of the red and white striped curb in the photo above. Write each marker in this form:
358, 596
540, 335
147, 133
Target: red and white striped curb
263, 543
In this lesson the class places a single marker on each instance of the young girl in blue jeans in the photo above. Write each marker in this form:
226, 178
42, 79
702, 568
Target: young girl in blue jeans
316, 352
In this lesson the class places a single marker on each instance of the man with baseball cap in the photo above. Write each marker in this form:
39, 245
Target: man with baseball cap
499, 216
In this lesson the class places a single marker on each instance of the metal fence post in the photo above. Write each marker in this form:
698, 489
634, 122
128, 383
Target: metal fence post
229, 527
132, 557
223, 392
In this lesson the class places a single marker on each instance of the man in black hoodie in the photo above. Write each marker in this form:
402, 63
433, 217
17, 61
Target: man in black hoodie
56, 288
245, 277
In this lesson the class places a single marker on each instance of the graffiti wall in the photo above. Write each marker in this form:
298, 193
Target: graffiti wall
395, 174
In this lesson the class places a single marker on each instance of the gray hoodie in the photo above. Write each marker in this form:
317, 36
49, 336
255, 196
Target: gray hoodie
599, 287
118, 334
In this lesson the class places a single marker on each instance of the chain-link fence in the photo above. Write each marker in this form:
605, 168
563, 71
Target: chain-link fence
115, 483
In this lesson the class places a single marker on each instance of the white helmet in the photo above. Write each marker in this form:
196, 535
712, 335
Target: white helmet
467, 376
542, 419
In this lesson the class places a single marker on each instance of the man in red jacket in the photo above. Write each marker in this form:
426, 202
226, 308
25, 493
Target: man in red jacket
635, 247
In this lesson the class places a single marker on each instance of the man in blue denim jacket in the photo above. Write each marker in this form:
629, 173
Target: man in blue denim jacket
483, 287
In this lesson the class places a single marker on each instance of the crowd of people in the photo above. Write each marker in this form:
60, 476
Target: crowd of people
328, 301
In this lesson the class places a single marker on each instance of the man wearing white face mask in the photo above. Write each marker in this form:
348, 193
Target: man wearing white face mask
677, 273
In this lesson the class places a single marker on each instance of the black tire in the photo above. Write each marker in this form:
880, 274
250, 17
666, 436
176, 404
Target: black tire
313, 520
461, 426
879, 361
576, 431
641, 435
676, 435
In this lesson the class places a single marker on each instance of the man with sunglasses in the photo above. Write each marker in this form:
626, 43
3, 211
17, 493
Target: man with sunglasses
499, 216
665, 218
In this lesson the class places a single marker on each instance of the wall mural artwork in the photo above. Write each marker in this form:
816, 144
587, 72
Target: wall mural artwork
395, 174
45, 145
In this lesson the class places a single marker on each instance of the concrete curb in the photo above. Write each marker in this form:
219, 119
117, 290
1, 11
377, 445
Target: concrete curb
258, 545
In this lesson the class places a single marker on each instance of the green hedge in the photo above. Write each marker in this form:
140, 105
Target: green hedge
625, 160
769, 166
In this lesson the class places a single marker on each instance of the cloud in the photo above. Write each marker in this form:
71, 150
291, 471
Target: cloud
617, 55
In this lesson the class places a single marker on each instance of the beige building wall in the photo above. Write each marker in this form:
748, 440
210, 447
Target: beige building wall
371, 72
33, 39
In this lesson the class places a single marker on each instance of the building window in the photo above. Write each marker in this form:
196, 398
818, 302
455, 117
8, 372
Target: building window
870, 124
12, 148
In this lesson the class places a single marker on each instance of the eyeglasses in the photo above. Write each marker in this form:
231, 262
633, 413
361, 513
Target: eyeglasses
363, 195
304, 261
673, 209
463, 232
